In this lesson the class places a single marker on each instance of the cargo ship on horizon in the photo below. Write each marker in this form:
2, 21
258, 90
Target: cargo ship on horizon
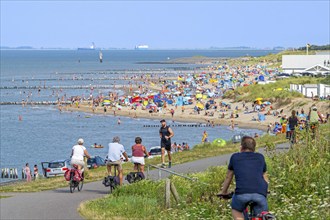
92, 47
141, 47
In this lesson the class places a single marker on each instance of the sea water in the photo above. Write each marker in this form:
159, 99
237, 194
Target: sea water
43, 133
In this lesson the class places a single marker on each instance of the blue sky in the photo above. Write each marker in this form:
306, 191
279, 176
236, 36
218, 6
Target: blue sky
164, 24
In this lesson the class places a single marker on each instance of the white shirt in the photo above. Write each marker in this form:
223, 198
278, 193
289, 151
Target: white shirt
78, 152
115, 151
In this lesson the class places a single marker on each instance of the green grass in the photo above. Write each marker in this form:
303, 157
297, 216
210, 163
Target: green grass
3, 197
269, 91
299, 185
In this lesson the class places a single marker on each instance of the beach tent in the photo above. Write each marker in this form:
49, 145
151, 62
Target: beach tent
220, 142
261, 78
179, 101
261, 117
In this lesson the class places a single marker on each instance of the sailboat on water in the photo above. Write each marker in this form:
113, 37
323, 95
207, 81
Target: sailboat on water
101, 56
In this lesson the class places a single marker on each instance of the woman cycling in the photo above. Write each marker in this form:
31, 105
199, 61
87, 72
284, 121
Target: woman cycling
138, 152
78, 153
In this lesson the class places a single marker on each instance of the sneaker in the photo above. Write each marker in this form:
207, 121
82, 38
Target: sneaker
163, 166
169, 164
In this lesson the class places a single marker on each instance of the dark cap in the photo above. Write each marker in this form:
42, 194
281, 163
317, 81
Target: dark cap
163, 120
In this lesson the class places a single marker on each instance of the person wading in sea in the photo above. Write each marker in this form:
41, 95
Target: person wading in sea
165, 133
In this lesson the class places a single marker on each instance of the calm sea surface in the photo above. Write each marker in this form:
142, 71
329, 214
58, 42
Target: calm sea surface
46, 134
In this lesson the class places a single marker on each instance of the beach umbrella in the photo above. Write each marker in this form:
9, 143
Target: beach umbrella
200, 105
220, 142
199, 96
136, 99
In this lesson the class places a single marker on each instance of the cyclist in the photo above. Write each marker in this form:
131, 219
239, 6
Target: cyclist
78, 153
249, 169
314, 116
138, 152
114, 157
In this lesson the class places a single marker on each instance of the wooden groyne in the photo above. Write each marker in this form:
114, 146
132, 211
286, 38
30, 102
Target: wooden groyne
35, 103
63, 87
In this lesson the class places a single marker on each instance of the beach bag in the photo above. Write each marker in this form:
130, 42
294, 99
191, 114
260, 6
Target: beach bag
111, 181
77, 176
67, 175
135, 177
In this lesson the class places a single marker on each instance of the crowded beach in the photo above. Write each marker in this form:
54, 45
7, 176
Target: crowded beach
198, 96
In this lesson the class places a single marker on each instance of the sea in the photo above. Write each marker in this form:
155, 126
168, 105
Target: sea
42, 133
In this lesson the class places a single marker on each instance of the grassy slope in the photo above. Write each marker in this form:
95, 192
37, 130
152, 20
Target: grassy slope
299, 185
269, 91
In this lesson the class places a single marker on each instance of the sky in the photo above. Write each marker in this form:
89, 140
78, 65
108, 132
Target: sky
164, 24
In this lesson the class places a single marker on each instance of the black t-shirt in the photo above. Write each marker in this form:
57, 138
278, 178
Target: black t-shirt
249, 168
293, 122
164, 131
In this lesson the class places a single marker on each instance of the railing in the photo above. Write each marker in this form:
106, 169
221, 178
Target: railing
172, 172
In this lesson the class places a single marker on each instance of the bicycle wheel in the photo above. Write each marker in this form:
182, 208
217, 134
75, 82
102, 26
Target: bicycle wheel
81, 183
72, 183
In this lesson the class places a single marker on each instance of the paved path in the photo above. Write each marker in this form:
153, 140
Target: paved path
61, 204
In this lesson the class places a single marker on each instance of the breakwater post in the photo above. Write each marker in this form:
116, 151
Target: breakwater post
9, 173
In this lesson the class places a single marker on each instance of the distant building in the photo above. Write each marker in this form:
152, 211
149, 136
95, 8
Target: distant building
312, 90
313, 64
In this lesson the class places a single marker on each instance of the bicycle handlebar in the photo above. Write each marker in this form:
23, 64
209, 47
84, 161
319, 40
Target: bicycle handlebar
225, 196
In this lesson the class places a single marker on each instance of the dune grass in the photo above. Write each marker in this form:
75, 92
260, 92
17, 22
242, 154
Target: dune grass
299, 185
274, 92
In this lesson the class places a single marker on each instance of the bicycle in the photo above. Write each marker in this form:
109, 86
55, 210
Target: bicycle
293, 137
76, 179
249, 213
112, 181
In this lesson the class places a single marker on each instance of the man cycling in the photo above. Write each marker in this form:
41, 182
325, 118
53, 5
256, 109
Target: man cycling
249, 169
114, 157
78, 153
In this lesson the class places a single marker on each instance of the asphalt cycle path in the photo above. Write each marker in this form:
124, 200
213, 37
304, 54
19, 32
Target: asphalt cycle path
61, 204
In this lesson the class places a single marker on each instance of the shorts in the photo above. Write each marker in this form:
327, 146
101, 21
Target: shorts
118, 162
166, 145
239, 202
139, 160
78, 162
